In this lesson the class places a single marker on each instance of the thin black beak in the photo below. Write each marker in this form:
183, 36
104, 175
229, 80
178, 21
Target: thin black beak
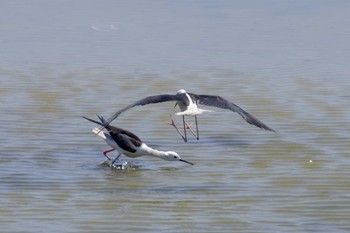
175, 105
182, 160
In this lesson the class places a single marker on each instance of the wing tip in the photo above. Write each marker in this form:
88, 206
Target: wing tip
268, 129
254, 121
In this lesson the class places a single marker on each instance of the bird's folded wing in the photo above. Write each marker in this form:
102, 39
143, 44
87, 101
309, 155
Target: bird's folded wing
125, 142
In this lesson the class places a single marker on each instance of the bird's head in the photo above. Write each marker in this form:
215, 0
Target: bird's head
173, 156
181, 91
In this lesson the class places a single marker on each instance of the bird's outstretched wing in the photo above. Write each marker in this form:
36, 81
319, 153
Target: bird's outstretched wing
148, 100
219, 102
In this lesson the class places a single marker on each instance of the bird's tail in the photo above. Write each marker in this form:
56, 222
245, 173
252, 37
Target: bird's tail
98, 132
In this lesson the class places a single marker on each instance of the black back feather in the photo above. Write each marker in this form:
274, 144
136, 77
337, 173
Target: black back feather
124, 138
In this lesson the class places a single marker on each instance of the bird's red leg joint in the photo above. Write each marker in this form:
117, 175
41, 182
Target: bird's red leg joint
106, 152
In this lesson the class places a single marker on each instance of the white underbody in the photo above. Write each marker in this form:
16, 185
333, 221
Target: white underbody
190, 110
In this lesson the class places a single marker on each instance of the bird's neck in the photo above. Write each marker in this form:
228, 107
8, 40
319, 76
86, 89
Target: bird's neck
154, 152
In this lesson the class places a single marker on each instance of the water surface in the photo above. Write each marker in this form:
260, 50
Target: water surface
285, 63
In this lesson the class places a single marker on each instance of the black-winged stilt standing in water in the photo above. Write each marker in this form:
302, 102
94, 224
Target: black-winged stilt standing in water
129, 144
188, 104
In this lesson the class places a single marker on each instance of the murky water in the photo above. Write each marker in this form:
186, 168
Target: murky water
285, 63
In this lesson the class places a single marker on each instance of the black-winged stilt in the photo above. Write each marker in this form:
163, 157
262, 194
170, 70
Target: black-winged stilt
129, 144
188, 104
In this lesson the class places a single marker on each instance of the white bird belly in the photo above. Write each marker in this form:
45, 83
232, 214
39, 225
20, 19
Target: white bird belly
192, 112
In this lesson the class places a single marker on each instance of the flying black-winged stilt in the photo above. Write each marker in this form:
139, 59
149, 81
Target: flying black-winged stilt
188, 104
129, 144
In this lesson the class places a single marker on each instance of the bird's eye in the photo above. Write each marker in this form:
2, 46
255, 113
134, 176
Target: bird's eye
175, 157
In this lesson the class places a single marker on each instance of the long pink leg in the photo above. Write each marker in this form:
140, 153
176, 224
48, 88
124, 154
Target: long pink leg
106, 152
191, 130
185, 124
175, 126
195, 117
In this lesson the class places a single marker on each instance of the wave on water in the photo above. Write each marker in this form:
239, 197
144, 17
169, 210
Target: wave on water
103, 27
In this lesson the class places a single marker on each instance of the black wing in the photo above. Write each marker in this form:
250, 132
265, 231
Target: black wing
114, 131
135, 139
125, 142
219, 102
148, 100
96, 122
